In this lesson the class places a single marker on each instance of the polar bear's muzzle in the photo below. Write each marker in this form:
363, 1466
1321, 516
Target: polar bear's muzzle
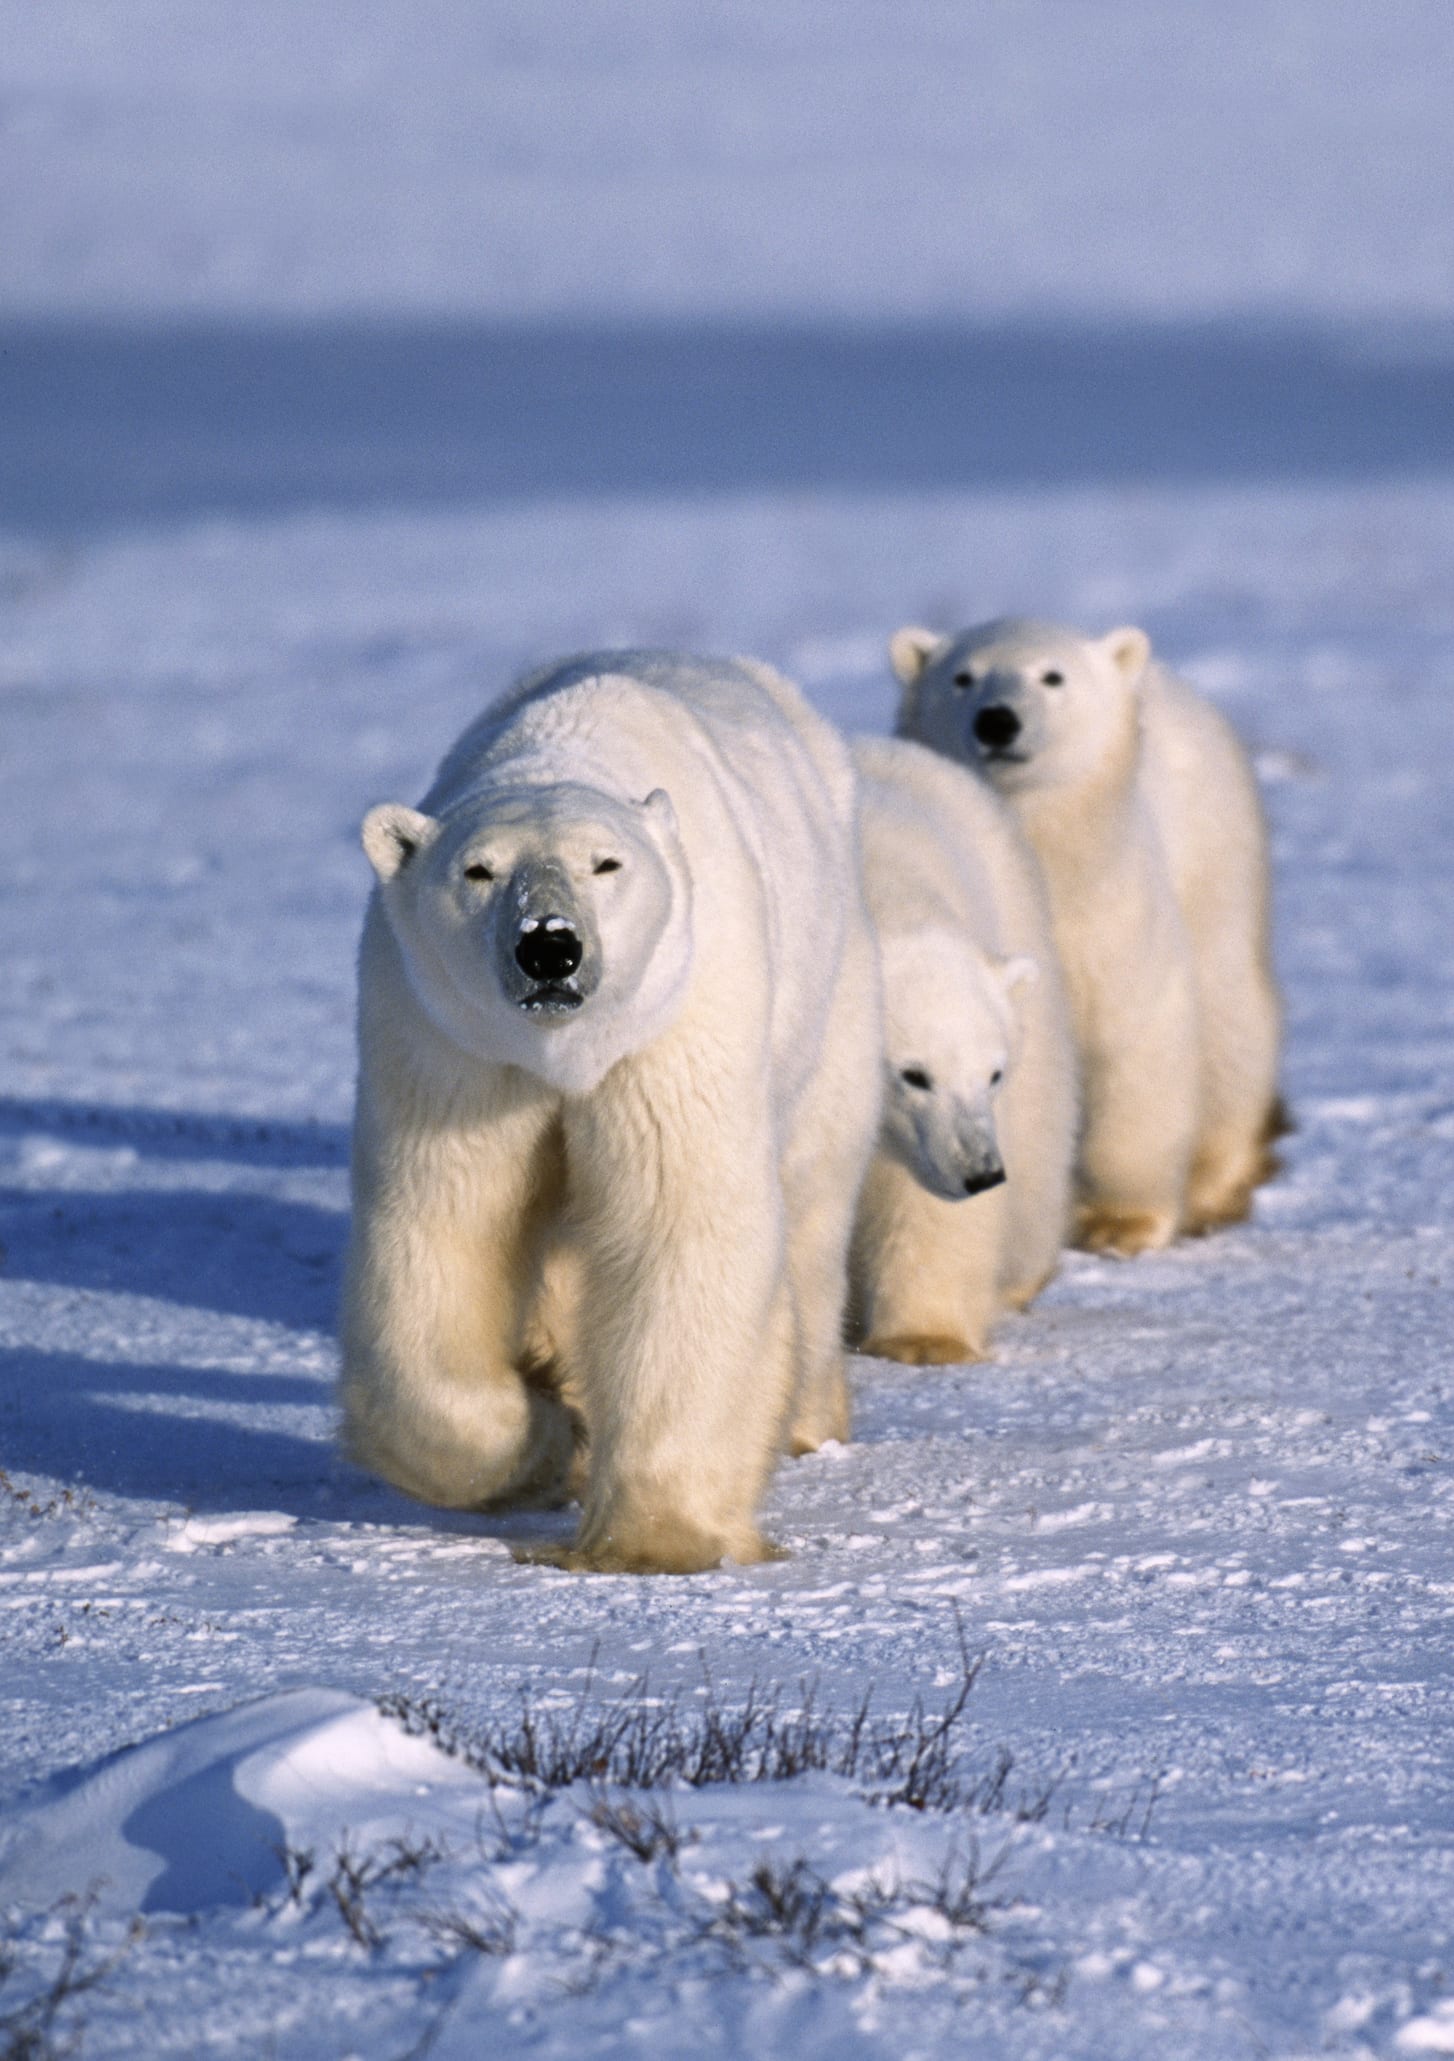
548, 949
997, 732
549, 957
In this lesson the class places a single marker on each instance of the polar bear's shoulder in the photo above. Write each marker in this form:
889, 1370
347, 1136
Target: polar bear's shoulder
574, 714
601, 702
1187, 731
926, 816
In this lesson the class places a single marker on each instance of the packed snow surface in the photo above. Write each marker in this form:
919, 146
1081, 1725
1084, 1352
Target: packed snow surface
1195, 1518
352, 364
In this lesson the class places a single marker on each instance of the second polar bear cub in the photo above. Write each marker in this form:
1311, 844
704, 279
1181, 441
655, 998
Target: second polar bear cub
1143, 809
967, 1202
618, 1023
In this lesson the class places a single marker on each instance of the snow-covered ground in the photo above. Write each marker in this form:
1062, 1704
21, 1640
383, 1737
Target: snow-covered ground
1196, 1521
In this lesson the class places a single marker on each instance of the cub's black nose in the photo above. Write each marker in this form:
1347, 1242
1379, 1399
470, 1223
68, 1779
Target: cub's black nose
988, 1177
548, 950
996, 726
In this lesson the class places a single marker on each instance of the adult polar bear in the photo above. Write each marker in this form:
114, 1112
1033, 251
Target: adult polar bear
980, 1098
618, 993
1143, 809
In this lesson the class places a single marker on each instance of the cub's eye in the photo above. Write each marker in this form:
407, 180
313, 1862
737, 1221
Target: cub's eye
1052, 679
915, 1077
997, 1076
964, 679
478, 872
607, 866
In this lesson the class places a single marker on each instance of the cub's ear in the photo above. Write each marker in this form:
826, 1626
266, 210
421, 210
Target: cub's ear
658, 806
1018, 973
392, 834
1129, 650
910, 650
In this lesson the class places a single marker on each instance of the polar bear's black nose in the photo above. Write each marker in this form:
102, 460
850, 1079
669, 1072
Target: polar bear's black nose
548, 950
996, 726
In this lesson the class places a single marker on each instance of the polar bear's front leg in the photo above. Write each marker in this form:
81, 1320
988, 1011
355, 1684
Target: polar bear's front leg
685, 1345
1141, 1074
441, 1259
926, 1271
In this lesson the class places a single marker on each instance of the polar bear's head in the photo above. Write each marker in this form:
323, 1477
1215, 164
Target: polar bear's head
950, 1037
1030, 704
545, 927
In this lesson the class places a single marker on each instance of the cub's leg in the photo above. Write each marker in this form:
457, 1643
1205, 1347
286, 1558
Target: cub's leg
447, 1209
926, 1271
1039, 1148
685, 1349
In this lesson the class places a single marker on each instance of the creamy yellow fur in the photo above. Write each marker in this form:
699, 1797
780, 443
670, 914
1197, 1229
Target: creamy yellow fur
629, 1226
972, 989
1143, 810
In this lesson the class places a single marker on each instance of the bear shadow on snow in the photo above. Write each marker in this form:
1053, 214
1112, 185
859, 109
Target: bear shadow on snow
176, 1134
84, 1423
240, 1254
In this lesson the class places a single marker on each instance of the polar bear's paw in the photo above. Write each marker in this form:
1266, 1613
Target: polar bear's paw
670, 1545
823, 1415
928, 1349
1122, 1233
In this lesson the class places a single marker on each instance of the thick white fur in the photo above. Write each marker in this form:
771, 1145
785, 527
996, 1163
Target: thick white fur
972, 989
662, 1160
1143, 809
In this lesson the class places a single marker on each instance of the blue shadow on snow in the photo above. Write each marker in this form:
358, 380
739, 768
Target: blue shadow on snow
245, 1255
177, 1134
88, 1422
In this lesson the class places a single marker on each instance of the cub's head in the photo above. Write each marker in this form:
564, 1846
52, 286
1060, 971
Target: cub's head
1029, 704
950, 1042
541, 927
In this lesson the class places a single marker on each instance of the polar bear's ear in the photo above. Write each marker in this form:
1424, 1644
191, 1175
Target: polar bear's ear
658, 805
910, 650
1129, 650
1019, 972
392, 835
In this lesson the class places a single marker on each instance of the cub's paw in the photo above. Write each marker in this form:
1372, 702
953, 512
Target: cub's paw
1122, 1233
1024, 1293
927, 1349
815, 1423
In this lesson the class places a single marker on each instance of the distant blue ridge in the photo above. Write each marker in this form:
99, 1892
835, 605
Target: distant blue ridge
107, 423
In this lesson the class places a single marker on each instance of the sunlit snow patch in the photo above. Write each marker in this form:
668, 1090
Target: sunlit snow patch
197, 1532
200, 1816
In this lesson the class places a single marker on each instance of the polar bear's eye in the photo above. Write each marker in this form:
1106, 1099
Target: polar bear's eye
964, 679
478, 872
915, 1077
1052, 679
997, 1076
607, 866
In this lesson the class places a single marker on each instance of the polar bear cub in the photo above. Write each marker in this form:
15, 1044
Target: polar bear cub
618, 1028
980, 1095
1143, 809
